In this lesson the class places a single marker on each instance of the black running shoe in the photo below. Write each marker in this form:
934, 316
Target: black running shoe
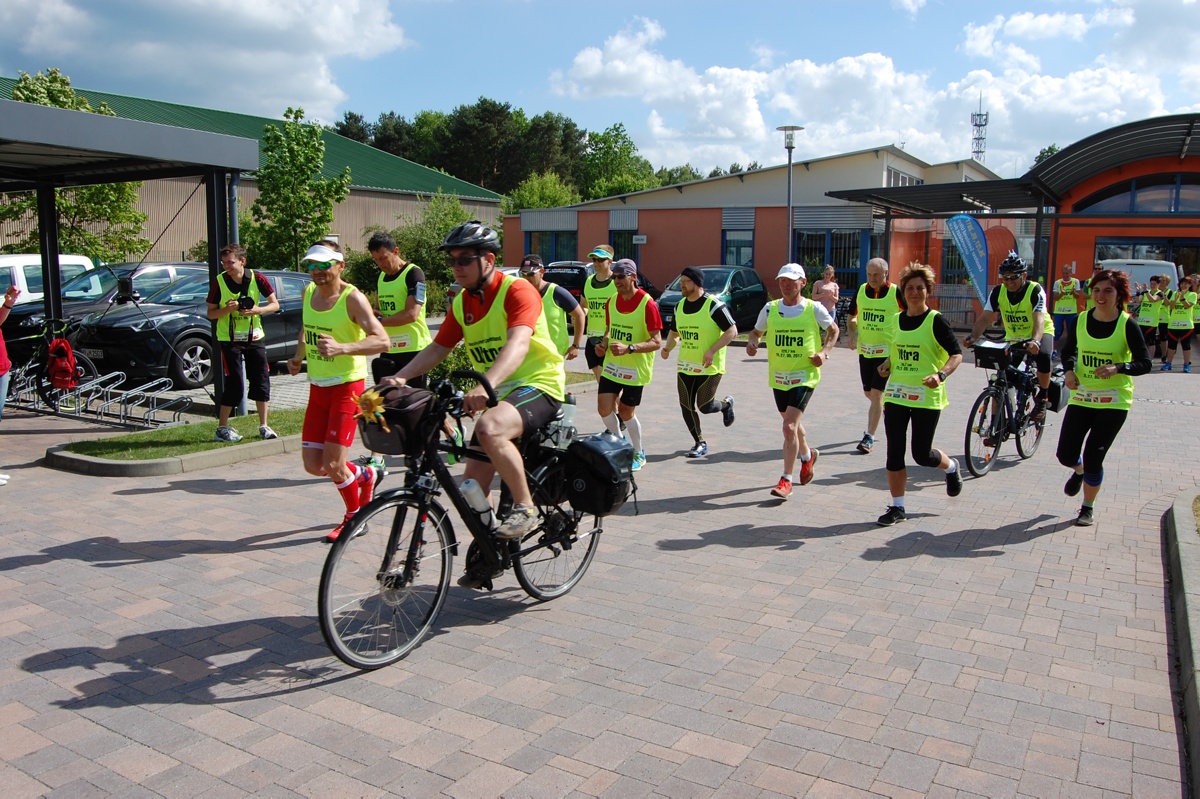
727, 412
1086, 518
894, 514
1074, 483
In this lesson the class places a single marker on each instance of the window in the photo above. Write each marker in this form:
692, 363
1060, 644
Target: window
897, 178
151, 280
622, 244
561, 245
810, 247
1177, 193
739, 248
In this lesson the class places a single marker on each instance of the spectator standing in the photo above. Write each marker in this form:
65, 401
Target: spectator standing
923, 355
1180, 324
338, 332
875, 307
703, 328
10, 299
633, 333
233, 302
792, 326
1150, 305
826, 290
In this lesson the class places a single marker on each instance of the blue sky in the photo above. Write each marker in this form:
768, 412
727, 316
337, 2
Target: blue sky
697, 81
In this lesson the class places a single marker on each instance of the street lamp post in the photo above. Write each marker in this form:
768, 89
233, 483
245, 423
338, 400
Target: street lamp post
789, 142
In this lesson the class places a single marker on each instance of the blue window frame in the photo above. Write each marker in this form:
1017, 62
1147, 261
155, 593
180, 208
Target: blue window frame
737, 247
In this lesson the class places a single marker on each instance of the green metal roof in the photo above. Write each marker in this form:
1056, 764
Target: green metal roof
370, 168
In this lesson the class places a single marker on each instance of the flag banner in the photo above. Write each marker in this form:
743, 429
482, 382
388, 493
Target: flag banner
972, 245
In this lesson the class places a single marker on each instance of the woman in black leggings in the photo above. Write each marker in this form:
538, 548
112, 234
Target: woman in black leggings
1102, 352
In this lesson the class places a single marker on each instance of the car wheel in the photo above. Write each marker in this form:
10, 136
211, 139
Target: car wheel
193, 366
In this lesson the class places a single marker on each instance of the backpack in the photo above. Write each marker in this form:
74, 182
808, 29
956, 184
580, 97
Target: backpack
60, 365
599, 472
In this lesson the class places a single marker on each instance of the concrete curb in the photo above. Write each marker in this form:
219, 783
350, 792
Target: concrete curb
58, 458
1183, 562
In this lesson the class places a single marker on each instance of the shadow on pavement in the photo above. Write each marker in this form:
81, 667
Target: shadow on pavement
106, 551
783, 537
217, 486
967, 543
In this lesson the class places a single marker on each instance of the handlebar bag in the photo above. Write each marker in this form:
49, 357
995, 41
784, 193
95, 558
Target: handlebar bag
599, 472
410, 422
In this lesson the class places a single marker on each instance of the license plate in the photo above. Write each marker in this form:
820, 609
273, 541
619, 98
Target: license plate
92, 353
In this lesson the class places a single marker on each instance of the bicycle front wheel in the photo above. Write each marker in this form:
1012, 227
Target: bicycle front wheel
552, 559
385, 580
985, 430
1030, 433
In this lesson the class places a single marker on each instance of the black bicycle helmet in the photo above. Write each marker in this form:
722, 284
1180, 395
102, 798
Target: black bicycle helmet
1013, 265
472, 235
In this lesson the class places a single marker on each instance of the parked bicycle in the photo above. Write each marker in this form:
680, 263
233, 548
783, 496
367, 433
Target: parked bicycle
35, 374
1004, 409
387, 576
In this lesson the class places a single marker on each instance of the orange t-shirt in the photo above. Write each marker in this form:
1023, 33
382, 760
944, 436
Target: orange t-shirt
522, 307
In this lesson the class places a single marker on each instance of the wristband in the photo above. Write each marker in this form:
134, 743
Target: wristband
942, 376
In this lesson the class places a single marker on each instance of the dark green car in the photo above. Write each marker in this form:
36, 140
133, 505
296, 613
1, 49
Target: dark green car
739, 287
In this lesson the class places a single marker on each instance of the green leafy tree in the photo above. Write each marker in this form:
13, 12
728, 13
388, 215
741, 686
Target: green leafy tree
481, 144
611, 165
295, 202
353, 126
546, 190
677, 174
716, 172
99, 221
1044, 153
420, 236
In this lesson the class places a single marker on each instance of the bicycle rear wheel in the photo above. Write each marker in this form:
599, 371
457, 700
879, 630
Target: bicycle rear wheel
382, 586
85, 372
985, 430
1029, 435
552, 559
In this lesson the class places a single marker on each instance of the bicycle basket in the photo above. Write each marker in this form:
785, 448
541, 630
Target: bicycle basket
397, 421
992, 355
1059, 394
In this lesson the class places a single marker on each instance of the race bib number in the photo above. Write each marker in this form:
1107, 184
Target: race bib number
1097, 396
791, 379
874, 350
401, 342
691, 368
902, 393
619, 373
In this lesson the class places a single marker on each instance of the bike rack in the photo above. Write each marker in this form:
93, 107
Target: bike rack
101, 400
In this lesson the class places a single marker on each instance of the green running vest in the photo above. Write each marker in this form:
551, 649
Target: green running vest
335, 322
915, 356
697, 333
1095, 392
393, 297
875, 318
791, 343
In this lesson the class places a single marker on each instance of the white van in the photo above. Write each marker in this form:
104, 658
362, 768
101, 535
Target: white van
1140, 272
25, 272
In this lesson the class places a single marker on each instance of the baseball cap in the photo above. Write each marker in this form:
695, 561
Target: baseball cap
319, 253
791, 271
601, 251
531, 262
624, 267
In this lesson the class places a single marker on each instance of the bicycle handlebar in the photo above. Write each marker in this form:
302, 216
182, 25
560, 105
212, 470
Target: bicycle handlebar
478, 377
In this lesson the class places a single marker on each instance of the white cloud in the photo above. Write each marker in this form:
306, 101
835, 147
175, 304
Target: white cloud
911, 6
1028, 25
717, 115
257, 57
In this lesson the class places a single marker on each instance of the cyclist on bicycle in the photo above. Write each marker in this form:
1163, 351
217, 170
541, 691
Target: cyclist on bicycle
1021, 306
499, 318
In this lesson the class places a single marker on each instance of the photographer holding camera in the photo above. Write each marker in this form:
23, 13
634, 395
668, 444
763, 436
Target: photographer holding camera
233, 301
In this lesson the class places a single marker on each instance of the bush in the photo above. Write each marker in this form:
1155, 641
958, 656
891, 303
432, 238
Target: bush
361, 271
457, 359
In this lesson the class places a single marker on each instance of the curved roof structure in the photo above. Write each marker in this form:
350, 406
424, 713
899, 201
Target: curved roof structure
1045, 183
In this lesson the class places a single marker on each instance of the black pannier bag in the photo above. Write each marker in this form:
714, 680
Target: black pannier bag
599, 471
410, 424
1058, 394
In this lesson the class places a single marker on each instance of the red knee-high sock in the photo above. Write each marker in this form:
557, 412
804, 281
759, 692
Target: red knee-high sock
349, 489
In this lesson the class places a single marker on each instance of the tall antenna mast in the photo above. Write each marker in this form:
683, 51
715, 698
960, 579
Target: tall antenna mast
979, 122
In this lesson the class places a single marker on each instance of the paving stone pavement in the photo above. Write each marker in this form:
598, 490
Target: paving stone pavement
159, 634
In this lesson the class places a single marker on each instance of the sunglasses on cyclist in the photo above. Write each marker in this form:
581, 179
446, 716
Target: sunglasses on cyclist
462, 260
318, 265
1017, 276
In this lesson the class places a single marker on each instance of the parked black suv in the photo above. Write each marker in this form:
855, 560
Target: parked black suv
170, 333
572, 274
91, 291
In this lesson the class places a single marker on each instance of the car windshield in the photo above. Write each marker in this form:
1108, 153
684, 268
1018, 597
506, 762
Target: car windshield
714, 280
185, 291
93, 285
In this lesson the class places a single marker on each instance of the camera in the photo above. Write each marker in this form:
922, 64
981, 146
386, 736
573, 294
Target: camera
245, 303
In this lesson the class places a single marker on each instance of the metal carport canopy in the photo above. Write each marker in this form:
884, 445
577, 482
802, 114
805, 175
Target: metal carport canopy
951, 198
43, 146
